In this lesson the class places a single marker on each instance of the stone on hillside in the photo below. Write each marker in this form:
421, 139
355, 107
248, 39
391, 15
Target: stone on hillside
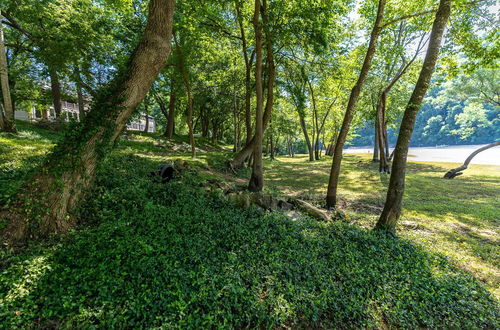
266, 201
284, 204
226, 187
240, 199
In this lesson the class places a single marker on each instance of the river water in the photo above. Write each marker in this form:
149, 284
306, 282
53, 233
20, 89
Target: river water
450, 154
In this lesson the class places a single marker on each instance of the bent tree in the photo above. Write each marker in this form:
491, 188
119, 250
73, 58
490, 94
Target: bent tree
392, 207
44, 205
331, 193
458, 171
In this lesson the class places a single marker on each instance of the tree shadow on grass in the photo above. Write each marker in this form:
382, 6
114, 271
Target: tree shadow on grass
170, 255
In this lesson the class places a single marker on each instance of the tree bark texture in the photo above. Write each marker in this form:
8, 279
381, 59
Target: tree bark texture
7, 122
55, 89
392, 207
256, 182
247, 150
331, 194
248, 74
44, 204
306, 137
375, 158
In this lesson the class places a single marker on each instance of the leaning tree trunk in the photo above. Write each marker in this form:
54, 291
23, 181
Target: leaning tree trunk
256, 182
7, 123
392, 207
331, 194
458, 171
44, 205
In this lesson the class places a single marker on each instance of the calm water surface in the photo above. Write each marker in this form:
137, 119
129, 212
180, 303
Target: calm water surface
451, 154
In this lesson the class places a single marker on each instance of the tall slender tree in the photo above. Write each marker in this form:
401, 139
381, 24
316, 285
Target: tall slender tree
7, 122
331, 194
392, 207
248, 71
257, 178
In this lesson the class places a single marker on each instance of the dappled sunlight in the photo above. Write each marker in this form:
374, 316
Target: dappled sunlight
28, 274
461, 214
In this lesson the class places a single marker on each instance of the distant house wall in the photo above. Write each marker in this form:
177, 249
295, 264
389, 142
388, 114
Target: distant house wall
139, 124
23, 115
70, 111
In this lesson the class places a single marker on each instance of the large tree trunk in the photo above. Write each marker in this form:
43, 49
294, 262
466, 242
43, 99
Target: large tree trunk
256, 182
458, 171
55, 86
7, 123
44, 205
392, 207
331, 194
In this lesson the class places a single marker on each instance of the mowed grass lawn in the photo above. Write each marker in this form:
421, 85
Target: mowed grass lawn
459, 218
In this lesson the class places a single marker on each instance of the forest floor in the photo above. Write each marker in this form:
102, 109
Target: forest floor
175, 255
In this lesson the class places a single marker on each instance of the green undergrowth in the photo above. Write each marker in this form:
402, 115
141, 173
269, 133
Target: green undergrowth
21, 154
174, 256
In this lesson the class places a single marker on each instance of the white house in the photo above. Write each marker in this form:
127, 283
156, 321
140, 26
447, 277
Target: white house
70, 111
140, 124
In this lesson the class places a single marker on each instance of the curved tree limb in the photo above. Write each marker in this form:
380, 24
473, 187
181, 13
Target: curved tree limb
458, 171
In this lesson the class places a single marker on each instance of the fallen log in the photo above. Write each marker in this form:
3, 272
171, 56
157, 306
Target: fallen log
312, 210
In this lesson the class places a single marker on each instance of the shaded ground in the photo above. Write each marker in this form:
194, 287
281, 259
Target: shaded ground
458, 217
173, 256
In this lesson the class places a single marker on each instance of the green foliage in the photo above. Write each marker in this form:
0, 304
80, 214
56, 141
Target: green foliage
150, 255
21, 155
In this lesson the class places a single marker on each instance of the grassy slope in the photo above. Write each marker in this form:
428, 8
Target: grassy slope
458, 217
150, 255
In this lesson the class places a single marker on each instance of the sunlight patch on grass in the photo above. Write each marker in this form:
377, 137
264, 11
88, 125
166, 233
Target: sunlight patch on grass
458, 218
